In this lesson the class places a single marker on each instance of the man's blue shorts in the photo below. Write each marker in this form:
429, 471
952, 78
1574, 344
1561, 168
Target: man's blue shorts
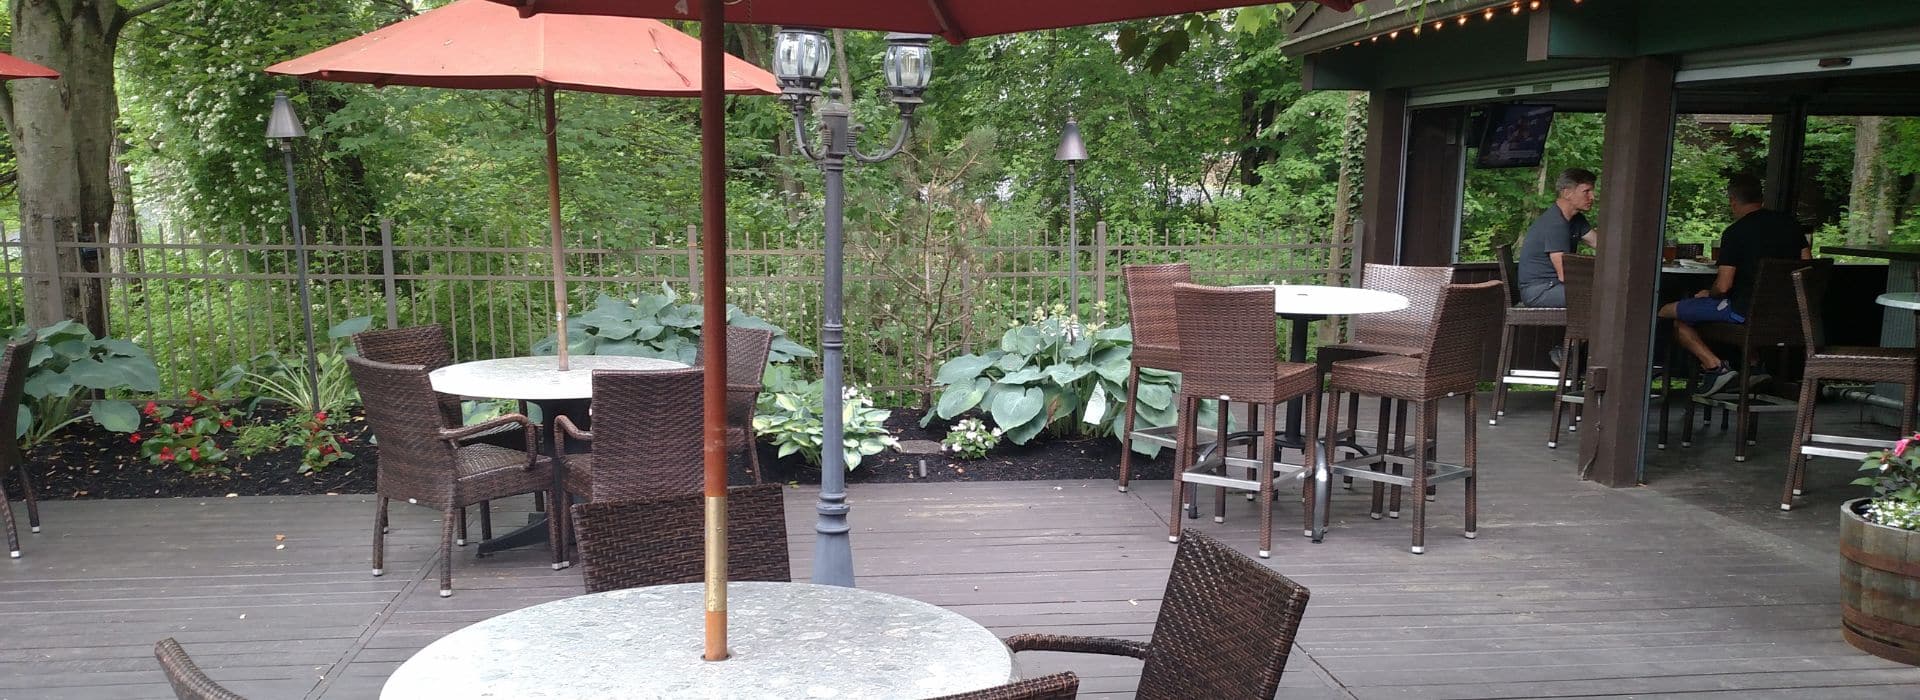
1694, 311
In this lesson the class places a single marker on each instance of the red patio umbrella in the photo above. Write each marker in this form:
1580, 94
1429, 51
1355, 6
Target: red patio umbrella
482, 45
956, 20
12, 67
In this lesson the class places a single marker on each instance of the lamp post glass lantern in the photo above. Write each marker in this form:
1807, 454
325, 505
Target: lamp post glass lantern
801, 59
283, 126
1072, 151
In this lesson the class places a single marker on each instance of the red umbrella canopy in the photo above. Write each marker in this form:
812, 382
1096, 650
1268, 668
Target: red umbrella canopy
957, 20
479, 44
12, 67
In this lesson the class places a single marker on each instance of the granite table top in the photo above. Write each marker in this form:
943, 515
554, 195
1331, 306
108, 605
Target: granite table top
535, 378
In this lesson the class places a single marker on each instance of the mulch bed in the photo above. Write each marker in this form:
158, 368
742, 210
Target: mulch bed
87, 462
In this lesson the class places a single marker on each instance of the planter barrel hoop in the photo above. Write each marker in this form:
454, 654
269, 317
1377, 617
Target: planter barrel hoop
1879, 572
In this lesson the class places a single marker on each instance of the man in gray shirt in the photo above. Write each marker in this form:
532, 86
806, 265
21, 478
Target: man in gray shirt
1553, 234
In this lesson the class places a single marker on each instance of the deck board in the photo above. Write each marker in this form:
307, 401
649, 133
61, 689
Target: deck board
1696, 586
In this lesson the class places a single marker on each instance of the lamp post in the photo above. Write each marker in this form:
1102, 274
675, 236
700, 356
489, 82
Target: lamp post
283, 126
801, 57
1072, 151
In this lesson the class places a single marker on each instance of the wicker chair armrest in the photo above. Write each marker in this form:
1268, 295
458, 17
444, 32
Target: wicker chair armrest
564, 430
1080, 645
526, 425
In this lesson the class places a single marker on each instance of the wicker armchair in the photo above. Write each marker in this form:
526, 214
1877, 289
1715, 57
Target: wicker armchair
747, 350
428, 347
632, 543
13, 380
647, 440
1518, 317
1156, 342
1059, 686
422, 459
1225, 628
189, 683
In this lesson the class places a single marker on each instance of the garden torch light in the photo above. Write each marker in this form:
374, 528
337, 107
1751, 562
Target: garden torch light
801, 57
284, 126
1072, 151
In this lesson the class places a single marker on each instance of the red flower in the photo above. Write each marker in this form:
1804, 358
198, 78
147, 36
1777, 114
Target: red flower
228, 423
134, 438
193, 453
194, 394
321, 416
186, 422
166, 453
326, 449
151, 408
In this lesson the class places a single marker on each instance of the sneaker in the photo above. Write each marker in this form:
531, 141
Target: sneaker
1716, 380
1558, 355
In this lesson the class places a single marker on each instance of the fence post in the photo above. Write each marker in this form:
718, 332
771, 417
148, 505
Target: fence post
1100, 261
387, 274
693, 257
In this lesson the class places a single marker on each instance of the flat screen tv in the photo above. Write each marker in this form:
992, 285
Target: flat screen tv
1515, 135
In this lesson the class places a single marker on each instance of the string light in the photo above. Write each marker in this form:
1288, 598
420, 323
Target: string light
1462, 21
1535, 5
1395, 34
1514, 10
1438, 25
1488, 15
1416, 30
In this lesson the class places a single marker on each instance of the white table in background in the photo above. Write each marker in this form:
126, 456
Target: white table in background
788, 640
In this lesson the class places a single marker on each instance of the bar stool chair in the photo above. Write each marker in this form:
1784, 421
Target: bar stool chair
1864, 364
1400, 333
1519, 317
1570, 389
1241, 364
1448, 368
1156, 345
1772, 322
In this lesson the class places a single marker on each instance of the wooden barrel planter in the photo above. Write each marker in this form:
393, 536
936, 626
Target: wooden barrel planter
1880, 582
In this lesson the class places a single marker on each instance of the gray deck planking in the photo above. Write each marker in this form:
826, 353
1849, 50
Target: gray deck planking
1695, 586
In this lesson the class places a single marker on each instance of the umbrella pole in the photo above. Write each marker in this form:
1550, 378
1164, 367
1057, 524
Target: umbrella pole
713, 326
553, 226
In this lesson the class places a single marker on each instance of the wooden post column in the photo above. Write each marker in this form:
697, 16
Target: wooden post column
1386, 175
1786, 151
1432, 185
1634, 161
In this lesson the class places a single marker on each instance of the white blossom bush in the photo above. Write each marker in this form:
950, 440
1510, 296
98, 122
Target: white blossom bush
970, 439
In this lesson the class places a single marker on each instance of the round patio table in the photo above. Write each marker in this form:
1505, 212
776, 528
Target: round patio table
1899, 300
788, 640
540, 381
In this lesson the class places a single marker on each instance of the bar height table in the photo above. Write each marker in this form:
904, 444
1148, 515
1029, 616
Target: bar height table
537, 380
788, 640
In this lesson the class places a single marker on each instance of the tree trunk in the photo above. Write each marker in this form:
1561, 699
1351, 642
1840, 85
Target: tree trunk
1868, 218
1352, 139
126, 227
63, 134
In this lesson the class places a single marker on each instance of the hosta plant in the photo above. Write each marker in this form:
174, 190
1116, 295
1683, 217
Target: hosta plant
1895, 477
1054, 372
656, 325
68, 363
789, 413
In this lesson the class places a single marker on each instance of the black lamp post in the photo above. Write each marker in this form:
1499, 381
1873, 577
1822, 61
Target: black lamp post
283, 126
1072, 151
800, 60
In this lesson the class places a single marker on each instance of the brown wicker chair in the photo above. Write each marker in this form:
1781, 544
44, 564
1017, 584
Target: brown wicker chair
1824, 362
1570, 389
1518, 317
1241, 364
13, 380
422, 460
1156, 344
189, 683
1403, 333
1448, 368
428, 347
652, 542
1059, 686
1225, 628
1773, 321
747, 350
647, 440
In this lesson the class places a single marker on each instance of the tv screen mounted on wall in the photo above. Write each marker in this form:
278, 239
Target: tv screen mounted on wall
1515, 136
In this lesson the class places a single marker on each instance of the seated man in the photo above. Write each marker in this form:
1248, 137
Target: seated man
1756, 234
1553, 234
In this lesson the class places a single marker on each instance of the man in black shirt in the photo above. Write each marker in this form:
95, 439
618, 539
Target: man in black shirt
1756, 234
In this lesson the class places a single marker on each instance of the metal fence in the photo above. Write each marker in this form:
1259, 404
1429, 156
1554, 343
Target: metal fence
203, 301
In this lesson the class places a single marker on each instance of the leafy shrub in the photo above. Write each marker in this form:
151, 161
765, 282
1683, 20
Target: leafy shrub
656, 325
283, 377
789, 414
1894, 475
189, 443
256, 440
320, 444
69, 362
1055, 372
970, 439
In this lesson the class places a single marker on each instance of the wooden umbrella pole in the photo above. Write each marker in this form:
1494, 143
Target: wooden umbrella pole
553, 226
713, 326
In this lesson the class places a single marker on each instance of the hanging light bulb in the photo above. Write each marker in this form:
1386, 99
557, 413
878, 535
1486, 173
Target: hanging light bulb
1416, 30
1438, 25
1462, 21
1535, 5
1514, 10
1488, 15
1395, 34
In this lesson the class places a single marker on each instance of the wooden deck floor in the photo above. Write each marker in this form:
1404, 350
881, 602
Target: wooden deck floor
1693, 586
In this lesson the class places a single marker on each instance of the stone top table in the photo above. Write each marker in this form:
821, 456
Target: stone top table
788, 640
535, 378
1315, 301
1900, 300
